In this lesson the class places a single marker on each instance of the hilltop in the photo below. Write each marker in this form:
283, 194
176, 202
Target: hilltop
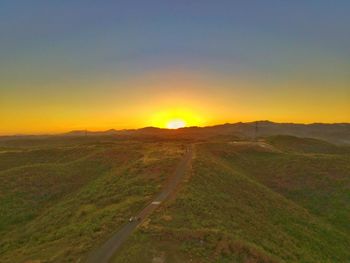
338, 133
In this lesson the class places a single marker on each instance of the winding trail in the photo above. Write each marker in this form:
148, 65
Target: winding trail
106, 252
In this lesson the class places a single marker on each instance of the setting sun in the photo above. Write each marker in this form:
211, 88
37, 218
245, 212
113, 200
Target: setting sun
176, 124
176, 118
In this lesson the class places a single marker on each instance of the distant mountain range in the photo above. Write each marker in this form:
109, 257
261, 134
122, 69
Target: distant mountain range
336, 133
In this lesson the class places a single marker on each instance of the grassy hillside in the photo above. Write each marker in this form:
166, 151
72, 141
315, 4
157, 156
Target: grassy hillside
60, 199
252, 202
305, 145
285, 199
310, 176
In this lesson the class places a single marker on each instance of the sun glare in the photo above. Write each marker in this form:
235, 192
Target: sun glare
175, 118
176, 124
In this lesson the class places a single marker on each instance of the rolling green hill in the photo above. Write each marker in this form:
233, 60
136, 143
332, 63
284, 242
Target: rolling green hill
57, 203
305, 145
246, 202
279, 199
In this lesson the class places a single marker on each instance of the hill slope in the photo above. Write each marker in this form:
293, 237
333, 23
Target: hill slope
336, 133
58, 203
284, 199
248, 203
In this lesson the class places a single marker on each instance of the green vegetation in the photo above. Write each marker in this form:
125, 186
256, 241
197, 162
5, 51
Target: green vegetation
280, 199
254, 202
305, 145
58, 202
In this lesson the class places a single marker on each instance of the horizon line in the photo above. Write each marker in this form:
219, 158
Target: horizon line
186, 127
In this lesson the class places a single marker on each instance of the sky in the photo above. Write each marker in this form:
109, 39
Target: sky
81, 64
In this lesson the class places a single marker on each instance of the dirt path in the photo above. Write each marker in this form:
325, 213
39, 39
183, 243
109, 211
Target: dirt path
105, 253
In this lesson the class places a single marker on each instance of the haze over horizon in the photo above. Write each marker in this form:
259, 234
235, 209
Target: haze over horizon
130, 64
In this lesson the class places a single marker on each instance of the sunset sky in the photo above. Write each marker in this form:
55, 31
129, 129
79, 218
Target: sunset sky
80, 64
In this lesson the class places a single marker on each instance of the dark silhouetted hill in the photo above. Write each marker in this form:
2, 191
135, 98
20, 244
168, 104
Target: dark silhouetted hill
338, 133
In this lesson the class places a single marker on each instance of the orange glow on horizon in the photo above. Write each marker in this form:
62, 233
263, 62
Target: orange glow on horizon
162, 99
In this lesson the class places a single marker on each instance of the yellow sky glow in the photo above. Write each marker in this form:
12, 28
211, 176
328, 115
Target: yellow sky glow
166, 98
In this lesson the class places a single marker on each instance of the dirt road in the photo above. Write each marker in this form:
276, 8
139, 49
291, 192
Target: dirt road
105, 253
